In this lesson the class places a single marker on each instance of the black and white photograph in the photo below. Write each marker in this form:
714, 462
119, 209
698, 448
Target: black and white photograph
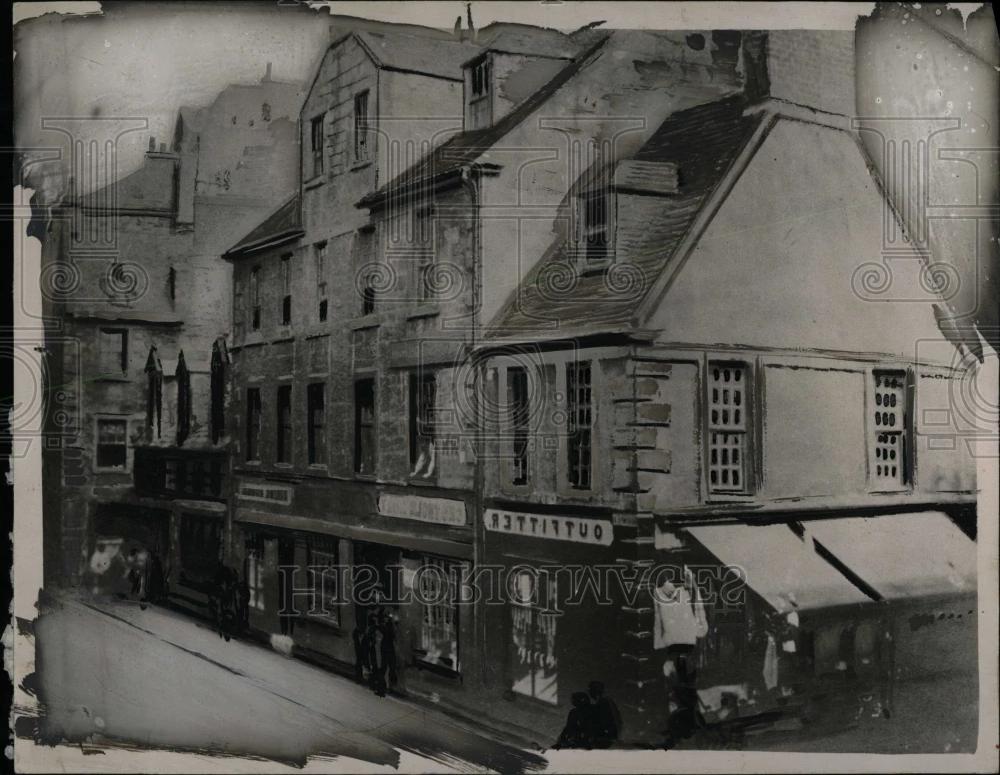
504, 387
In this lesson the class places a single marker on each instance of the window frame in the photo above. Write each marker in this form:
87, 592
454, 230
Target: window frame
254, 424
480, 71
751, 465
903, 434
518, 427
422, 386
593, 255
122, 357
284, 437
253, 308
316, 446
451, 568
332, 618
317, 142
286, 289
126, 465
360, 427
572, 418
542, 623
362, 127
319, 253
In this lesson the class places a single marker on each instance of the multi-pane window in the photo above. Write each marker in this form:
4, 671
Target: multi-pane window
518, 409
114, 351
479, 94
438, 595
581, 424
316, 411
727, 427
283, 449
534, 660
112, 443
253, 424
286, 289
362, 151
887, 429
321, 561
254, 570
422, 396
316, 145
364, 427
321, 280
255, 298
595, 226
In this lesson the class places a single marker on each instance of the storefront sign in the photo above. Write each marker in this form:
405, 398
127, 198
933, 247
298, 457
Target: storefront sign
268, 493
581, 531
439, 511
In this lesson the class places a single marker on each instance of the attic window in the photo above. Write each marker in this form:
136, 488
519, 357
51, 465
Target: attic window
595, 228
479, 112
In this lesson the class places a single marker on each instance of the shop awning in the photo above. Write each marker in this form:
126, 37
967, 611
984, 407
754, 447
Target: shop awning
779, 566
902, 555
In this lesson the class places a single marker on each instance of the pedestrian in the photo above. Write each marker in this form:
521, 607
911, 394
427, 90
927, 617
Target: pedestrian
376, 658
387, 626
607, 718
361, 664
579, 729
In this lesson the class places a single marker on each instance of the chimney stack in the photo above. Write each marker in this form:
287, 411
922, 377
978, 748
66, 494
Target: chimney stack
152, 144
267, 74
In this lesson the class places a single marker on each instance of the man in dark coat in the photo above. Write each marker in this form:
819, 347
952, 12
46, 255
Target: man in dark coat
579, 729
361, 664
607, 719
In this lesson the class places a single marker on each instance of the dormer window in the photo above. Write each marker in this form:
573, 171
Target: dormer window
479, 88
594, 227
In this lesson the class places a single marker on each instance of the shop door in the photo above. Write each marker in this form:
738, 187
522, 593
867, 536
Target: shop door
384, 563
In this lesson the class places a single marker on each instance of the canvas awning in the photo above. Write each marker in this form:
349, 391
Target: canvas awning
902, 555
781, 567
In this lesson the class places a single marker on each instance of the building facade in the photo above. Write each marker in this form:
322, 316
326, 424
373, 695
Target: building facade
496, 328
131, 271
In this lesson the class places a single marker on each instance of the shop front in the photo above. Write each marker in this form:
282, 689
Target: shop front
128, 538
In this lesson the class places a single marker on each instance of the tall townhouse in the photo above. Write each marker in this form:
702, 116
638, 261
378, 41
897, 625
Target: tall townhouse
139, 304
329, 468
690, 384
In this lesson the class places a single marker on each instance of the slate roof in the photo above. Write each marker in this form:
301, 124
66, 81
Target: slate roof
286, 221
466, 147
415, 53
531, 41
149, 189
702, 141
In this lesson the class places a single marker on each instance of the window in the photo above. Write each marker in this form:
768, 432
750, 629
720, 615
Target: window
112, 443
727, 428
533, 637
422, 241
316, 409
422, 393
114, 351
595, 226
438, 597
183, 401
321, 561
479, 95
253, 571
316, 145
283, 453
253, 424
361, 130
286, 289
218, 390
581, 417
172, 284
154, 401
368, 298
321, 280
255, 298
364, 427
887, 431
517, 406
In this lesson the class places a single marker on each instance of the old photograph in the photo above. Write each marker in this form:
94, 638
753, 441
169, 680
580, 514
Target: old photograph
504, 387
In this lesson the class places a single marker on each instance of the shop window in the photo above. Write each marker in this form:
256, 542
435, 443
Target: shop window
321, 293
283, 451
422, 397
114, 351
438, 596
253, 424
323, 571
534, 660
362, 151
316, 411
316, 145
580, 420
286, 290
254, 570
727, 416
112, 443
887, 431
364, 427
255, 299
518, 409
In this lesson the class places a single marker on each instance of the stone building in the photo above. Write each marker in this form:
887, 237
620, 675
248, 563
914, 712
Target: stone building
139, 304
